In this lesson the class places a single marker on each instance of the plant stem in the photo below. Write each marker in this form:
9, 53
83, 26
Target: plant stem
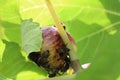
61, 31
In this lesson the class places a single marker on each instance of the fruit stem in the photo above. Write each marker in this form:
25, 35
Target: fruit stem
61, 30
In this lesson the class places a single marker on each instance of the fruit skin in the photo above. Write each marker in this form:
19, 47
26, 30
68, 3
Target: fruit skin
54, 55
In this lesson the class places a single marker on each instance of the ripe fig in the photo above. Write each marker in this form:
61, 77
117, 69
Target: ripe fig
54, 55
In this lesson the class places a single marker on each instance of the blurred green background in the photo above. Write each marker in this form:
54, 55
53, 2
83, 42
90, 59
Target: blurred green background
94, 24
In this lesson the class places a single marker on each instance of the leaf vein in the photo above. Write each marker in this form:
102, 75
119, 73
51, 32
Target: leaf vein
99, 31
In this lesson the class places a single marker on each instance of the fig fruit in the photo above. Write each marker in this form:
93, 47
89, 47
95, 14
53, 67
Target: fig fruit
54, 55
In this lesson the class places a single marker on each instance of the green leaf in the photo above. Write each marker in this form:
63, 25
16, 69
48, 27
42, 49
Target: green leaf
12, 32
2, 77
13, 61
14, 64
9, 11
89, 21
10, 21
94, 24
2, 47
105, 62
31, 36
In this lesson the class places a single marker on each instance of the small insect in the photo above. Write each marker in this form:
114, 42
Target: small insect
34, 56
41, 59
64, 54
62, 25
66, 65
63, 51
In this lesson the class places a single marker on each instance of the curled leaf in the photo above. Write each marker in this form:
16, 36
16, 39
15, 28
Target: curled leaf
31, 36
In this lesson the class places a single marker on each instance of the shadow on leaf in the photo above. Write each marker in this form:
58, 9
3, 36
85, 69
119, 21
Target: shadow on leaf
13, 63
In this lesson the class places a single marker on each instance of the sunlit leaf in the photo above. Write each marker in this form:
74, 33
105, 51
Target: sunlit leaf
10, 21
31, 36
94, 24
2, 77
9, 11
2, 47
14, 63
